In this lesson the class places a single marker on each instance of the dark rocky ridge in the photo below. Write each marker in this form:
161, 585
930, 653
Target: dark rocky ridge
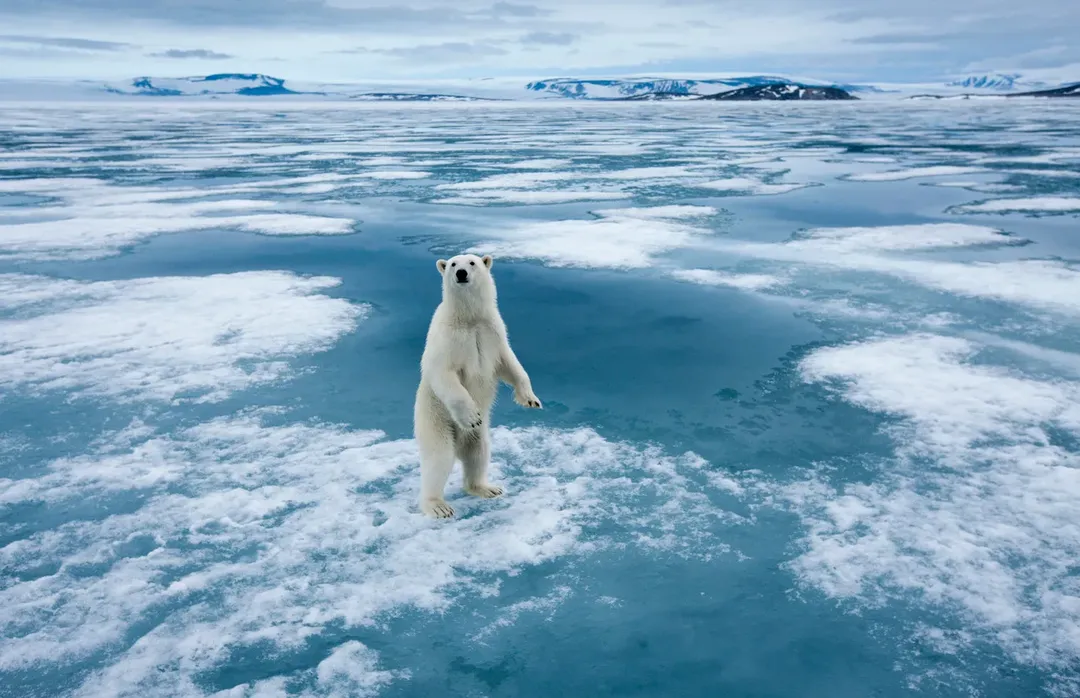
782, 92
772, 92
1064, 91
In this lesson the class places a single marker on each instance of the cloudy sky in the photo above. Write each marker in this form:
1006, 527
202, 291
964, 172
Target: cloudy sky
356, 40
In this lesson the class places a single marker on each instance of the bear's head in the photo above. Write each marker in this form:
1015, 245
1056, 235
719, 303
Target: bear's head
467, 279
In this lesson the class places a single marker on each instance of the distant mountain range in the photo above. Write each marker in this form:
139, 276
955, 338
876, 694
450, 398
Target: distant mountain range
757, 87
751, 88
247, 84
622, 88
1065, 91
258, 85
784, 91
999, 82
416, 97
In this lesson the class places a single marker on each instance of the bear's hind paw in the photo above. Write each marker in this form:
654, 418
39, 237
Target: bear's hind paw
437, 509
485, 491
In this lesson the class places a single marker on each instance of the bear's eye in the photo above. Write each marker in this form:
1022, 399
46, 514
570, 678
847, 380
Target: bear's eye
453, 264
472, 264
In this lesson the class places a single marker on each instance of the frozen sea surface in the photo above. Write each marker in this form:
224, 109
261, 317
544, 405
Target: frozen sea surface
811, 377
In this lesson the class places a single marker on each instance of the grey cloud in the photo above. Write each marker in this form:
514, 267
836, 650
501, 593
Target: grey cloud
1036, 59
33, 53
903, 38
292, 14
963, 26
906, 39
448, 51
550, 38
508, 9
200, 53
64, 42
1048, 57
927, 39
918, 16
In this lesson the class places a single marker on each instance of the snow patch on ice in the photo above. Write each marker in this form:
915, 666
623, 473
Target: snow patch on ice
625, 238
1035, 204
711, 277
254, 536
915, 173
979, 514
748, 185
98, 219
165, 338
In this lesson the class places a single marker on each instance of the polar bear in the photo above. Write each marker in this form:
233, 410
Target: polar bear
466, 354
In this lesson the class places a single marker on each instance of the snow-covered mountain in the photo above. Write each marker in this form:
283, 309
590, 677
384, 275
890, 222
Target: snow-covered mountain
999, 82
785, 92
992, 81
259, 85
622, 88
415, 97
618, 88
248, 84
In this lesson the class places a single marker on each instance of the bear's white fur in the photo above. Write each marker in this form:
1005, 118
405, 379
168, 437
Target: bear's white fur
466, 354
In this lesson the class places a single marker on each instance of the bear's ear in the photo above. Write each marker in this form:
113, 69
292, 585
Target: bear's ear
487, 260
441, 265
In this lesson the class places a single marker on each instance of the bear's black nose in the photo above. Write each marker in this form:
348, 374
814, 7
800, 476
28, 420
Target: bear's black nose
462, 276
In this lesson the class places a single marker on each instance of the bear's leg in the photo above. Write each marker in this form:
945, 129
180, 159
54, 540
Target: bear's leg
474, 449
436, 462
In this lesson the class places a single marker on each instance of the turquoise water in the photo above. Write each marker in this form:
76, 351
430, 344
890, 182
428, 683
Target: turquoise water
810, 374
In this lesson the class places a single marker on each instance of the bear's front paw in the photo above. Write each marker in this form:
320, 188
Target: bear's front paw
526, 398
469, 418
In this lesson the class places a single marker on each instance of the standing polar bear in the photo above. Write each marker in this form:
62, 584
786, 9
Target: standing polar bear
466, 354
